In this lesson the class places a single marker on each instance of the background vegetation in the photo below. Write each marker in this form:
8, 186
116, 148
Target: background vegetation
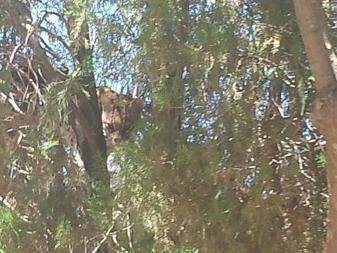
225, 157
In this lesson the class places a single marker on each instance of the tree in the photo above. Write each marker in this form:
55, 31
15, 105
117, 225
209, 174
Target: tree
85, 114
224, 157
314, 30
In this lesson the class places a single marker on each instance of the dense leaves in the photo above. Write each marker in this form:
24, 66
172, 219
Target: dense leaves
225, 157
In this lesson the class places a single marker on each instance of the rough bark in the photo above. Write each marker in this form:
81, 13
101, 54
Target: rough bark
311, 21
86, 118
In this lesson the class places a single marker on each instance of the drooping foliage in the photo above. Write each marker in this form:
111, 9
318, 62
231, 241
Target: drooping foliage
225, 157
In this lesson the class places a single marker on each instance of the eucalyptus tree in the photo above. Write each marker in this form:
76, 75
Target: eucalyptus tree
55, 113
241, 153
224, 159
320, 53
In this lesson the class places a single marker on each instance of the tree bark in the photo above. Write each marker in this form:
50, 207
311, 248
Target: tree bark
86, 118
312, 24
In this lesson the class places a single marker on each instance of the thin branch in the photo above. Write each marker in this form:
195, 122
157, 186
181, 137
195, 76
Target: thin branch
105, 237
59, 38
24, 27
11, 101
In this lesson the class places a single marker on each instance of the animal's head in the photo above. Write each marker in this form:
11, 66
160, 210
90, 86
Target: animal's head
119, 114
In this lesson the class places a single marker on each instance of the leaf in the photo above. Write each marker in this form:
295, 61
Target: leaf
47, 146
50, 144
5, 81
301, 88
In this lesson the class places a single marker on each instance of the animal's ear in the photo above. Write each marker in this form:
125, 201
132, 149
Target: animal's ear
134, 110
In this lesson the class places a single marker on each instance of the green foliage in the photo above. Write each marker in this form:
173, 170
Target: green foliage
185, 249
9, 231
320, 160
5, 81
202, 172
63, 235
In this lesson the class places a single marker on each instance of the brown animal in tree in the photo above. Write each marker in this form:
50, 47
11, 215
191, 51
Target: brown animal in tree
119, 114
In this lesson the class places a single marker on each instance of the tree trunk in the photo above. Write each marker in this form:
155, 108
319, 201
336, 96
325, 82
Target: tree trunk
85, 117
312, 24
